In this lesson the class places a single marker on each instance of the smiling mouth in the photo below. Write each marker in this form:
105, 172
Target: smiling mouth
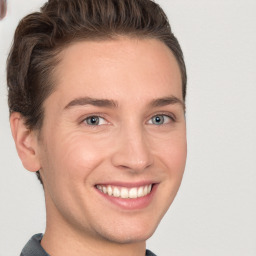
125, 193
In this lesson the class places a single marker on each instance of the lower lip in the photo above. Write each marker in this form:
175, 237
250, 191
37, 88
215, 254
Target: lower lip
131, 203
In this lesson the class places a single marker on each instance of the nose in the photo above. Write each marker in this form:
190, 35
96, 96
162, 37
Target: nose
132, 151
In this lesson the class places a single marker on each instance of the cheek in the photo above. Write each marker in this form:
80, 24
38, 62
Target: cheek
173, 152
68, 165
82, 155
178, 153
73, 157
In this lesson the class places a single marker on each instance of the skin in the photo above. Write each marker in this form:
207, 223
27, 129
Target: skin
126, 147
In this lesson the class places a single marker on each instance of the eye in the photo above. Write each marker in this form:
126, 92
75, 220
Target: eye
95, 120
160, 119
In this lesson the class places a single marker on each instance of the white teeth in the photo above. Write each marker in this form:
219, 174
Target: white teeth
133, 193
145, 190
99, 187
116, 192
104, 190
140, 192
124, 192
149, 188
109, 190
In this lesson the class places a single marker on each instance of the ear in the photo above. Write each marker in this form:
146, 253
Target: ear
26, 142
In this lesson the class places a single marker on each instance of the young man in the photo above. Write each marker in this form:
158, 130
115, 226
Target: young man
96, 96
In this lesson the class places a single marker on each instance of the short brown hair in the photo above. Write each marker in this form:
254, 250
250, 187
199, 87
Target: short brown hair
40, 37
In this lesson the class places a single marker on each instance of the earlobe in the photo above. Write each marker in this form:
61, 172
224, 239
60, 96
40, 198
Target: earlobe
26, 142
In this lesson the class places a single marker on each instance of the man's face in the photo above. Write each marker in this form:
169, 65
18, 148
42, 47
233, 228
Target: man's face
113, 142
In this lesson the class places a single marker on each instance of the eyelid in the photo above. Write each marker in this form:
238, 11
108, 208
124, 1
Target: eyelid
100, 115
164, 113
169, 115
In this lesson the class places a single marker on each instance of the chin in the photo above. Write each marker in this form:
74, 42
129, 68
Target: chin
129, 234
129, 238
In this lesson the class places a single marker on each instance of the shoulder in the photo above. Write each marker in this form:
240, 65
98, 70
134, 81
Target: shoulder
33, 247
149, 253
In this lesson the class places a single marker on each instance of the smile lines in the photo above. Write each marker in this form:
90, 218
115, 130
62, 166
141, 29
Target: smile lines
124, 192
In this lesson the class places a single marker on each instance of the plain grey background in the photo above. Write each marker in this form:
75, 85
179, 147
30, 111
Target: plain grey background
215, 210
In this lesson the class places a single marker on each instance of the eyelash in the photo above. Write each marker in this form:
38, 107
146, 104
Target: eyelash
91, 116
171, 117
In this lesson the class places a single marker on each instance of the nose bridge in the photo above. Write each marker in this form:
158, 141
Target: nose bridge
132, 151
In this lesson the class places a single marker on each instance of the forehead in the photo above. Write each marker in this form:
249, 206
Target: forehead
120, 67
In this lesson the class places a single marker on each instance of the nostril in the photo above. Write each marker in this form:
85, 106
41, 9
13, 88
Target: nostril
132, 152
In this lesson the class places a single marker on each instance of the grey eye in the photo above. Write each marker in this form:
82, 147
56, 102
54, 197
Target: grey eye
95, 120
160, 119
92, 120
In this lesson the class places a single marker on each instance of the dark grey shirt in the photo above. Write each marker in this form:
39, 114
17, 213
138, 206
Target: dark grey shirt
34, 248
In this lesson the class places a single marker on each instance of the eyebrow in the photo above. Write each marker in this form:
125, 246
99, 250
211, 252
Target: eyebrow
92, 101
113, 104
167, 101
